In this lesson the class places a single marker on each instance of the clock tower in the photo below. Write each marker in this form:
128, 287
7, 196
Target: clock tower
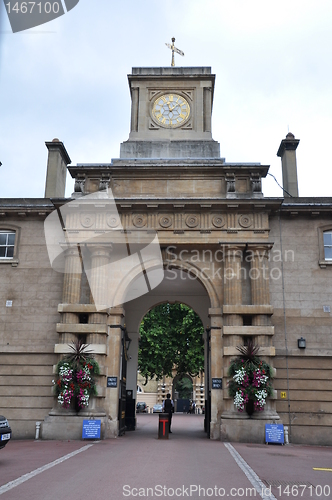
170, 187
171, 113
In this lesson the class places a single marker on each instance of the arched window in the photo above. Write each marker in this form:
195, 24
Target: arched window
327, 235
7, 244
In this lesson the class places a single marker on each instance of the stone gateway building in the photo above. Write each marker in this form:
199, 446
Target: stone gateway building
170, 220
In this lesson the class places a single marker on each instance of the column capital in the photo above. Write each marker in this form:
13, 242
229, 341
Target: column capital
99, 249
231, 246
262, 246
233, 251
260, 249
69, 250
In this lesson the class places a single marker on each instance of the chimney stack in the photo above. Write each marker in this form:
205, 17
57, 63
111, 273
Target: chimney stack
57, 162
287, 153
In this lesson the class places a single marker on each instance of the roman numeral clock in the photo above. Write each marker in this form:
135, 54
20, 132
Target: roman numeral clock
171, 111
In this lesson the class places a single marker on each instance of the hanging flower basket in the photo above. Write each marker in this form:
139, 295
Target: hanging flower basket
251, 378
75, 383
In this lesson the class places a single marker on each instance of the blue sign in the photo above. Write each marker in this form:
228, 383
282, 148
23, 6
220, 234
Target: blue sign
217, 383
112, 381
274, 433
91, 429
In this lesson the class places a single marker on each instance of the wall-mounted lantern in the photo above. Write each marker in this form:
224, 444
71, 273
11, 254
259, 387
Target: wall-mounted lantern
301, 343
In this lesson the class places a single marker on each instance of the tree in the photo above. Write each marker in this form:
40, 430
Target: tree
171, 336
184, 387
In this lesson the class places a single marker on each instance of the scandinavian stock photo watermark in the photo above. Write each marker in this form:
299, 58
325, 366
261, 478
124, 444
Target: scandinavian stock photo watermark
25, 15
225, 263
85, 235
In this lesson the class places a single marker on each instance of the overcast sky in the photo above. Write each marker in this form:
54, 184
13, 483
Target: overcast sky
68, 79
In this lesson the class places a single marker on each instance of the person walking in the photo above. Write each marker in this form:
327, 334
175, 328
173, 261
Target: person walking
168, 407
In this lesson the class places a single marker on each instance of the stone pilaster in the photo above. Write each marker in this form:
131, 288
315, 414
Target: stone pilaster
233, 256
260, 296
259, 281
134, 108
71, 287
99, 283
112, 367
216, 370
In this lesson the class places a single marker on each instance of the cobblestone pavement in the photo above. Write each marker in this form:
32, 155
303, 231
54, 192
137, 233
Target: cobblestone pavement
139, 465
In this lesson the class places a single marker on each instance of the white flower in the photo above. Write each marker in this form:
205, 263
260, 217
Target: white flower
239, 401
261, 397
239, 375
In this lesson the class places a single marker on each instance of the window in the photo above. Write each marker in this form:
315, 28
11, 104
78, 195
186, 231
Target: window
327, 235
7, 244
325, 246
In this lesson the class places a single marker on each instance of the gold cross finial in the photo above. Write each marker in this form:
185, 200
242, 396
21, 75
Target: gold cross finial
174, 49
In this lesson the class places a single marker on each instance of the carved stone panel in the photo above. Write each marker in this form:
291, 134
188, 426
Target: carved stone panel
166, 221
139, 220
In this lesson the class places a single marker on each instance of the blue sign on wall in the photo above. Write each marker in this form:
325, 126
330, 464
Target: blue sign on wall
217, 383
91, 429
274, 433
112, 381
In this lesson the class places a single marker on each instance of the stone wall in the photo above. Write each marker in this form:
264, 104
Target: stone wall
303, 375
27, 329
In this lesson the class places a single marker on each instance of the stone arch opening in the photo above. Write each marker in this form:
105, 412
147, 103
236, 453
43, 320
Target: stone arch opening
175, 333
197, 292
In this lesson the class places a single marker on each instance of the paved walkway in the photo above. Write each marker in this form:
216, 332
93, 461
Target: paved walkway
140, 465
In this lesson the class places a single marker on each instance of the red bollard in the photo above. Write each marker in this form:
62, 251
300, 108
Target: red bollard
163, 431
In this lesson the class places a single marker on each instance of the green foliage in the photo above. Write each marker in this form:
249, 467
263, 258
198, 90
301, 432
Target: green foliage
79, 353
250, 369
171, 335
184, 387
250, 379
75, 377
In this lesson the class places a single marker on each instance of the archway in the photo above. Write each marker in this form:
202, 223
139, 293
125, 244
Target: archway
171, 355
180, 285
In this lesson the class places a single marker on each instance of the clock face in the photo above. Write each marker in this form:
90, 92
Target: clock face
171, 110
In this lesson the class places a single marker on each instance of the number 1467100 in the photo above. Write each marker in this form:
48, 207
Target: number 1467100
33, 7
298, 490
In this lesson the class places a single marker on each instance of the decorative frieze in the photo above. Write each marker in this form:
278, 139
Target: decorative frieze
192, 221
112, 220
165, 221
139, 220
104, 220
219, 221
245, 221
199, 221
87, 220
